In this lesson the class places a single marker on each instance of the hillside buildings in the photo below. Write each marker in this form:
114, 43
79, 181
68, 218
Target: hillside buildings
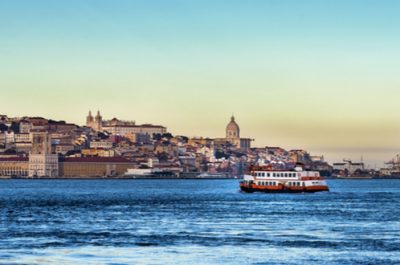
37, 147
123, 128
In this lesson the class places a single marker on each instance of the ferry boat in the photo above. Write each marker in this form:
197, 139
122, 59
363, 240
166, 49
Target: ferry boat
264, 179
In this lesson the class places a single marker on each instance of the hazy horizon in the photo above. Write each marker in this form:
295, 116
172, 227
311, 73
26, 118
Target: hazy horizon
316, 75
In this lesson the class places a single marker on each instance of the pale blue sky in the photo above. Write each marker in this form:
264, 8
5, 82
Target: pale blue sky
319, 75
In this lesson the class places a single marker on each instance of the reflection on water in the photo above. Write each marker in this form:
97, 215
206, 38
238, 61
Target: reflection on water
196, 222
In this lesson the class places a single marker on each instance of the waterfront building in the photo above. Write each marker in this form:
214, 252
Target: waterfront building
14, 166
94, 166
188, 163
42, 163
348, 166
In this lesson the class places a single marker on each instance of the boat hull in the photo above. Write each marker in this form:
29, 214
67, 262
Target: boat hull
312, 189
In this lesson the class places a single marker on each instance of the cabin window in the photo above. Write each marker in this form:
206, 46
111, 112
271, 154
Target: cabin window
267, 174
263, 174
274, 183
286, 175
273, 174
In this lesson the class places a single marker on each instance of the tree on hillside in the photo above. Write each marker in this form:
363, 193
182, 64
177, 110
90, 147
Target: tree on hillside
14, 127
3, 127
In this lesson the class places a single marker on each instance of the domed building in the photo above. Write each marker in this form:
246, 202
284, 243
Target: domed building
232, 129
233, 136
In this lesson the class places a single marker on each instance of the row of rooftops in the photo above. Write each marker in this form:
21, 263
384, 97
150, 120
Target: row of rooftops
73, 159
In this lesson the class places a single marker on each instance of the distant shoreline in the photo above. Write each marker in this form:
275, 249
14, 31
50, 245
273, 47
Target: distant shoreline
114, 178
169, 178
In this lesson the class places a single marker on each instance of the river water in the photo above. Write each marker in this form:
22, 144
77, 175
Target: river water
196, 222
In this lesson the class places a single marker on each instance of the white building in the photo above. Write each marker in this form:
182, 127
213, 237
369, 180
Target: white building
349, 166
101, 144
10, 137
25, 127
22, 138
42, 163
135, 129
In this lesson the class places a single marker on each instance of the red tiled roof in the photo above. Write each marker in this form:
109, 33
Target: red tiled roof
14, 159
96, 159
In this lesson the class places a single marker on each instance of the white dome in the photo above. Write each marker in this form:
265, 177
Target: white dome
232, 129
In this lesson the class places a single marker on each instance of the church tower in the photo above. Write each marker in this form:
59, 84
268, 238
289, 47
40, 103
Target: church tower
96, 123
89, 119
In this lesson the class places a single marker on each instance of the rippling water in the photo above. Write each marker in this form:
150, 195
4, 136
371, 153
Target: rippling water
196, 222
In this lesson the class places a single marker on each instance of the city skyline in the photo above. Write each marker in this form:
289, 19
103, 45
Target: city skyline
310, 75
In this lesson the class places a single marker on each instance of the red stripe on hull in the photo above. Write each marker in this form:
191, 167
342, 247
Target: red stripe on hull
282, 189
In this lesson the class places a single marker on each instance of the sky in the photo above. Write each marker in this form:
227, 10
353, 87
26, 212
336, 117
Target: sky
316, 75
